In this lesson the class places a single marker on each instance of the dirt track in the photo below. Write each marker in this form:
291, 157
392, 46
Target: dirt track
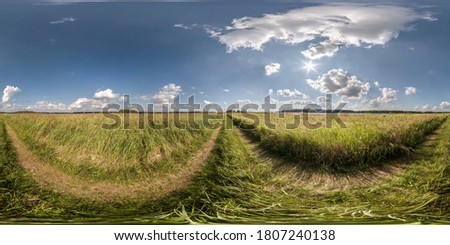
321, 181
51, 178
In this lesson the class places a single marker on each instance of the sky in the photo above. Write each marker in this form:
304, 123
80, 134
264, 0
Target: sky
79, 56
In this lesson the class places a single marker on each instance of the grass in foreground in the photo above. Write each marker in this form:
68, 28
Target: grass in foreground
238, 187
79, 146
18, 193
368, 140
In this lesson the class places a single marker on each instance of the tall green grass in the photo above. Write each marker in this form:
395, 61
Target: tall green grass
78, 145
8, 180
364, 143
236, 186
239, 187
19, 196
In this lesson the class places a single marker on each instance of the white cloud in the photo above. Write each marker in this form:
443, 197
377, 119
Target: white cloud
247, 101
273, 101
47, 106
166, 93
339, 82
100, 99
207, 102
291, 93
122, 98
374, 103
213, 32
388, 95
410, 90
106, 95
321, 98
11, 107
145, 97
226, 90
85, 104
325, 48
445, 105
294, 102
335, 25
63, 20
270, 91
376, 83
426, 108
272, 68
186, 27
9, 92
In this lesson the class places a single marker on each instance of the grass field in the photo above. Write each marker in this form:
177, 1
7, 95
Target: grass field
366, 140
54, 166
78, 146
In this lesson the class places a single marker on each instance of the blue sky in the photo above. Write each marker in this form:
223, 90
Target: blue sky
80, 56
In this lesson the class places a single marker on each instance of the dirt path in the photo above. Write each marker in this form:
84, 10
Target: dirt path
320, 181
51, 178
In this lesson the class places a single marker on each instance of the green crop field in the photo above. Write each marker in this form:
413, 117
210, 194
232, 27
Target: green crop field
379, 168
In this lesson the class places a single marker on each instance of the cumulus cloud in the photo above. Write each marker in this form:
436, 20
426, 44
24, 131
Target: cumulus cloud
10, 107
426, 108
388, 95
85, 104
9, 92
106, 95
272, 68
336, 25
445, 105
294, 102
63, 20
247, 101
100, 99
213, 32
338, 81
166, 93
291, 93
47, 106
322, 49
374, 103
226, 90
376, 83
270, 91
410, 90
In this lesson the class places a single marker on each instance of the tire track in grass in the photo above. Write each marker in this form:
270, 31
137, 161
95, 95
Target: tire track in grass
321, 181
51, 178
